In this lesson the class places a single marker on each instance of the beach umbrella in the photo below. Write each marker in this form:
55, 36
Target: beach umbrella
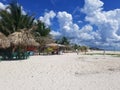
4, 41
23, 38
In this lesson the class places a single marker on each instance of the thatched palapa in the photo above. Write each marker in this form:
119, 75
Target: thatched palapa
4, 41
54, 45
23, 38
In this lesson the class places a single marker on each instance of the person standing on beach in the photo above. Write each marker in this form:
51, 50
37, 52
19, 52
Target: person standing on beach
77, 51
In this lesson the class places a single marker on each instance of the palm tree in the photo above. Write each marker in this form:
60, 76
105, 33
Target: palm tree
84, 49
42, 34
41, 30
63, 41
12, 19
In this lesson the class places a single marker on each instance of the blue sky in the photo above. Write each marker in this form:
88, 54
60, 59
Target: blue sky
93, 23
39, 6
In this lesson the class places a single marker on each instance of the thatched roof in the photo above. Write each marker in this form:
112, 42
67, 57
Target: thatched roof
4, 41
44, 40
23, 38
54, 45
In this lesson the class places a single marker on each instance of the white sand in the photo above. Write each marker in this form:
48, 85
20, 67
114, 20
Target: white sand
61, 72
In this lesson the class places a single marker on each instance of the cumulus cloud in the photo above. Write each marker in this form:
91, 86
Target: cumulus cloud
23, 11
71, 30
55, 34
108, 22
107, 33
2, 6
47, 17
92, 6
67, 27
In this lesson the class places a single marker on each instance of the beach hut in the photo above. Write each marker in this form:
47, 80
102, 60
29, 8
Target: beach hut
19, 43
56, 47
52, 45
4, 45
4, 41
23, 38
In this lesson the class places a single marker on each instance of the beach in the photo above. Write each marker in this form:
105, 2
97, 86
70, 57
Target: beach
68, 71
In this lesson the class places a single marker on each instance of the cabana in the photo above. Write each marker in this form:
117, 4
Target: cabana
4, 42
4, 45
19, 43
57, 48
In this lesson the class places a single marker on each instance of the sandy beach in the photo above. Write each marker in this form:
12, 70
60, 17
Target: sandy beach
68, 71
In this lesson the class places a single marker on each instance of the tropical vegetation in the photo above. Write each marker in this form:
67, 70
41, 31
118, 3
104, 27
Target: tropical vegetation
23, 31
13, 21
64, 41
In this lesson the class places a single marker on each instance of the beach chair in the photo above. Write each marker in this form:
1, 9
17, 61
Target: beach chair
14, 55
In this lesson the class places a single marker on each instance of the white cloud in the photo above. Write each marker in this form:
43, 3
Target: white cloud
2, 6
108, 22
55, 34
71, 30
65, 20
92, 6
23, 11
67, 27
47, 17
80, 21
